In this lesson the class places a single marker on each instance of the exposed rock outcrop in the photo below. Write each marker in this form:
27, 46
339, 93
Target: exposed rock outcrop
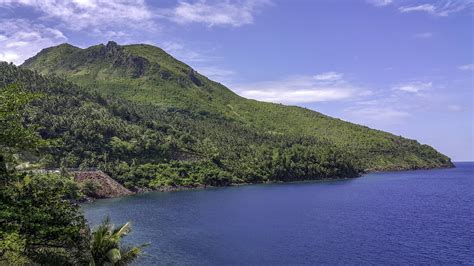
108, 188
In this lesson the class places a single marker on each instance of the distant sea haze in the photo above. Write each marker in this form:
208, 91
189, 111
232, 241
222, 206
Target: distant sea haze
411, 217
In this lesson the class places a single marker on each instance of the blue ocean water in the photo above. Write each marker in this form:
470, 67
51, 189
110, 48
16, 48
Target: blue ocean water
411, 217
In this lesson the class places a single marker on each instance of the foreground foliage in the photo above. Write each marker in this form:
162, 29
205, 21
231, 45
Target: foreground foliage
40, 225
14, 136
106, 246
38, 222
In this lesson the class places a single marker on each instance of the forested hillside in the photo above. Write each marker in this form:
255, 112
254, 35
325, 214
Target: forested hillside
146, 146
145, 74
151, 121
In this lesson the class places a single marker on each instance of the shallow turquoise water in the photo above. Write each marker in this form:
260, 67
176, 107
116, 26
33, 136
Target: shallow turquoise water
424, 216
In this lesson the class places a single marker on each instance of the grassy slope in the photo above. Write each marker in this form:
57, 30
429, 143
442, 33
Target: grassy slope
147, 74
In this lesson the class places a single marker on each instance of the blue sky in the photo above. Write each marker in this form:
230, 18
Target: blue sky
403, 66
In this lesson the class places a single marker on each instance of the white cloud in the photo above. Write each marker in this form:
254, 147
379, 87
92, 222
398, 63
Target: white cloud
300, 89
384, 107
414, 87
423, 35
440, 8
16, 44
9, 56
20, 39
380, 114
216, 73
82, 14
185, 52
298, 95
106, 16
219, 13
468, 67
379, 3
395, 105
328, 76
425, 7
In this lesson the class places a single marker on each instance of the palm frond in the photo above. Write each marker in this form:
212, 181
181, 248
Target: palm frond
106, 248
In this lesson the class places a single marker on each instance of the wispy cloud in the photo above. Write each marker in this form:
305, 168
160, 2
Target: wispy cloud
468, 67
384, 107
82, 14
323, 87
378, 114
423, 35
439, 8
392, 106
19, 39
186, 53
379, 3
217, 13
328, 76
414, 87
216, 73
126, 21
202, 60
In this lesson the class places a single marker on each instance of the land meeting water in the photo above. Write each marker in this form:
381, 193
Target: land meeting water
410, 217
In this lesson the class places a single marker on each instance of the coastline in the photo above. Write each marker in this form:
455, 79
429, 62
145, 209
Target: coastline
452, 165
200, 187
368, 209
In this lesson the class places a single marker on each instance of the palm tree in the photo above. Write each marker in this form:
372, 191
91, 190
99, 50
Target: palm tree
106, 247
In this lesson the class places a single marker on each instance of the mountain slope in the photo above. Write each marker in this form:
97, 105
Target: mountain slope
145, 74
143, 146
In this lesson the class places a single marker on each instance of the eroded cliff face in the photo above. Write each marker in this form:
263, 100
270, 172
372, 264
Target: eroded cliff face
106, 187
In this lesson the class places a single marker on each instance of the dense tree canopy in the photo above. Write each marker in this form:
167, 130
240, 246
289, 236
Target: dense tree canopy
38, 222
142, 145
14, 135
147, 75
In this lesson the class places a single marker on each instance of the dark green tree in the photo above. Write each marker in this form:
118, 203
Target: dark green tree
14, 136
106, 245
37, 223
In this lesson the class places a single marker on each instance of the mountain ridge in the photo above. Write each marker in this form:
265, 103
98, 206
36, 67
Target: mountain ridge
147, 75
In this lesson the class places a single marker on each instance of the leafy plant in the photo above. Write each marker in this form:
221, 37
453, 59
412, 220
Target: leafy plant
106, 245
90, 188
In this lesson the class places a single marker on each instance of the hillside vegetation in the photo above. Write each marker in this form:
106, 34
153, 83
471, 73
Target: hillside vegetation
39, 223
151, 121
147, 74
145, 146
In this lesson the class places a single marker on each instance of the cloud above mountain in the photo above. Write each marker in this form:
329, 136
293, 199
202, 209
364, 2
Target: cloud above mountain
323, 87
19, 39
217, 13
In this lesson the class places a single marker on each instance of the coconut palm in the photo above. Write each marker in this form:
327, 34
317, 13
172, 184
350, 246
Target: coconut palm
106, 248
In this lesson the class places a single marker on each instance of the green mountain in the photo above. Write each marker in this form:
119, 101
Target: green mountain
134, 106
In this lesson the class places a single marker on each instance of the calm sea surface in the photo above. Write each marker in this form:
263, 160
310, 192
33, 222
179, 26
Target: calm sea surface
424, 216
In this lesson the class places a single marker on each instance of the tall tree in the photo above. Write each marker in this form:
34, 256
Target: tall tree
14, 136
37, 224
